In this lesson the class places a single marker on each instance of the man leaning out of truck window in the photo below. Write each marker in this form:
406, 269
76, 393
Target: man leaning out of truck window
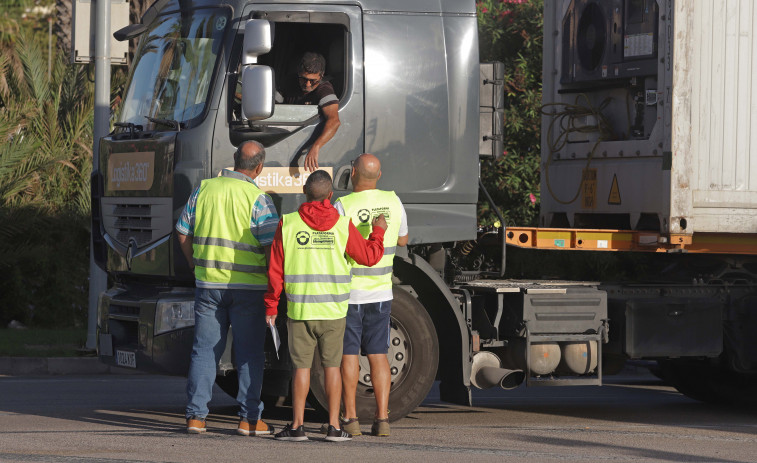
312, 89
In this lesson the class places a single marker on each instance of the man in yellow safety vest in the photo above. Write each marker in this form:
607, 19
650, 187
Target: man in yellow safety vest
225, 233
367, 328
308, 262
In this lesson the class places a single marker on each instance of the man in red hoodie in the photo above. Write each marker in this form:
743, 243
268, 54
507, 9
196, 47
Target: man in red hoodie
308, 262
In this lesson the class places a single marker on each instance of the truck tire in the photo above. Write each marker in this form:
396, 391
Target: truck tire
230, 385
414, 358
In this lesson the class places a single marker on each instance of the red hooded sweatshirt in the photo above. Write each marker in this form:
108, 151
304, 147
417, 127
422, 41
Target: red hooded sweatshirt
321, 216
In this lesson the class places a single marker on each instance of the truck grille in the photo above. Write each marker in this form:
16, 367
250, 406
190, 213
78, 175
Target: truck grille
133, 221
124, 310
144, 220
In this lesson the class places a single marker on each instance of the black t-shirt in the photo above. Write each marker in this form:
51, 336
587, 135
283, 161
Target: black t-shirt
323, 95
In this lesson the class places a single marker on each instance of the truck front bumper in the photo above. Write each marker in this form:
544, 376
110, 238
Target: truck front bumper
146, 329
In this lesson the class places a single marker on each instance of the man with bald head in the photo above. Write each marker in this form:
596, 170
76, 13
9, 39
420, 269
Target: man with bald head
308, 262
367, 328
225, 233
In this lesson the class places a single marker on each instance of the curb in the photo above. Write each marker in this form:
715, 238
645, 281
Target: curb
39, 366
59, 366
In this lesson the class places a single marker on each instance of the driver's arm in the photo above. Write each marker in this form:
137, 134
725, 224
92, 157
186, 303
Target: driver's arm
330, 126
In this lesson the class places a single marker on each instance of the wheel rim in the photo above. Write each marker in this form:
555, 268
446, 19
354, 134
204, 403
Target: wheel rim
400, 351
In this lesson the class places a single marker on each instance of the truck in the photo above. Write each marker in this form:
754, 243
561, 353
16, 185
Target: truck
618, 83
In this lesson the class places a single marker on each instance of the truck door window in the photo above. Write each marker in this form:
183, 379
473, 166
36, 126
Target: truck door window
291, 41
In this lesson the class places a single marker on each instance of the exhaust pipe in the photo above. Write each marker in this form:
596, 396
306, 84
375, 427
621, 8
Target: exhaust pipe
486, 372
493, 376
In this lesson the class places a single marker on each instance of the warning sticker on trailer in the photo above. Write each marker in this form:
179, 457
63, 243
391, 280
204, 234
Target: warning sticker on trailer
635, 45
614, 197
589, 189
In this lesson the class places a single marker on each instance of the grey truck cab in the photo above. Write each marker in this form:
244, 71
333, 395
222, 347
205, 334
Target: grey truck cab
411, 91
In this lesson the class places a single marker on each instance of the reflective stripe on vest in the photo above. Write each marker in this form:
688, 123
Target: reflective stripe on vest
226, 253
362, 207
316, 272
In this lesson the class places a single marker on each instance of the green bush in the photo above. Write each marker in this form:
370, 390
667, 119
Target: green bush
45, 268
45, 163
511, 31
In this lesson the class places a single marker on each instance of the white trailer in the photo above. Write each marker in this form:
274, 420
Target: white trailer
647, 145
659, 134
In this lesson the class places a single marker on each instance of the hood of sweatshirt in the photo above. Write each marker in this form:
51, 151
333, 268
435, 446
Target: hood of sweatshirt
319, 215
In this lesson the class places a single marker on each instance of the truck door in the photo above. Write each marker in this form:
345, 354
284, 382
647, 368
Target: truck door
332, 31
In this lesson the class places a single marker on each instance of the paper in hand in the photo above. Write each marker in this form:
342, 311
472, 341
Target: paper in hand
276, 339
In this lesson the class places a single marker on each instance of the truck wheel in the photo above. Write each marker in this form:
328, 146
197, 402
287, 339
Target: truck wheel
413, 360
229, 383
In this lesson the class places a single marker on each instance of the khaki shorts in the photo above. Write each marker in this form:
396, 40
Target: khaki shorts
305, 335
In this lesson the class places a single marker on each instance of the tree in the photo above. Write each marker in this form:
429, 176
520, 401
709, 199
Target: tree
64, 20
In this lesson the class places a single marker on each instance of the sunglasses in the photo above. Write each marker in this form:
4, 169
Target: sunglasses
311, 82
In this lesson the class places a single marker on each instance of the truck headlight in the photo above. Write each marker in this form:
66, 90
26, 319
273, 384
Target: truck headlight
173, 315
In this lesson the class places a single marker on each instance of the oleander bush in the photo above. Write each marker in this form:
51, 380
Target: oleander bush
510, 31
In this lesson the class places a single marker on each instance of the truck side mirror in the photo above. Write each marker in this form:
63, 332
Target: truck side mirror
258, 40
258, 88
257, 92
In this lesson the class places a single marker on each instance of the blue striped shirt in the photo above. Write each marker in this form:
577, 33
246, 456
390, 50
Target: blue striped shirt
264, 219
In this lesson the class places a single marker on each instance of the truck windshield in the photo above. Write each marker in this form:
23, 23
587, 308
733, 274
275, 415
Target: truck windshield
174, 67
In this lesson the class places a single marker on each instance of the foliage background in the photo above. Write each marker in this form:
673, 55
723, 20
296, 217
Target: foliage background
46, 152
45, 163
510, 31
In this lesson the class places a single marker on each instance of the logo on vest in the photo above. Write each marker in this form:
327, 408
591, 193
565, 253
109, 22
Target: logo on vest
364, 215
377, 211
323, 239
315, 240
303, 238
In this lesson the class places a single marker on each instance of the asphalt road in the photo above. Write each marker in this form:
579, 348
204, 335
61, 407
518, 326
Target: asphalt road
112, 418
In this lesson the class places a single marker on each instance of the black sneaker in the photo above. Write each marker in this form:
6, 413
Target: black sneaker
337, 435
290, 434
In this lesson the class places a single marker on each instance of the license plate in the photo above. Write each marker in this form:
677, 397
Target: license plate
126, 359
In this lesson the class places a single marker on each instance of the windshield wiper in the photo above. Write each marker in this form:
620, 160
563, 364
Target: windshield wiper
175, 125
129, 126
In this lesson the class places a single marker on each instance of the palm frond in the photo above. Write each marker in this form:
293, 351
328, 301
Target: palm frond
5, 89
17, 167
35, 68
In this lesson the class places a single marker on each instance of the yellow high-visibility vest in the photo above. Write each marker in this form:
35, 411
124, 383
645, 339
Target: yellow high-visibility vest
226, 253
316, 270
362, 207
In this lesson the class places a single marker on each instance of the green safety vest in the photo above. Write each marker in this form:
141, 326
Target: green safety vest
316, 272
362, 207
226, 253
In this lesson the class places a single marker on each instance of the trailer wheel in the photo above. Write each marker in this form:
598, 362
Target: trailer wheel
705, 382
413, 360
689, 378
